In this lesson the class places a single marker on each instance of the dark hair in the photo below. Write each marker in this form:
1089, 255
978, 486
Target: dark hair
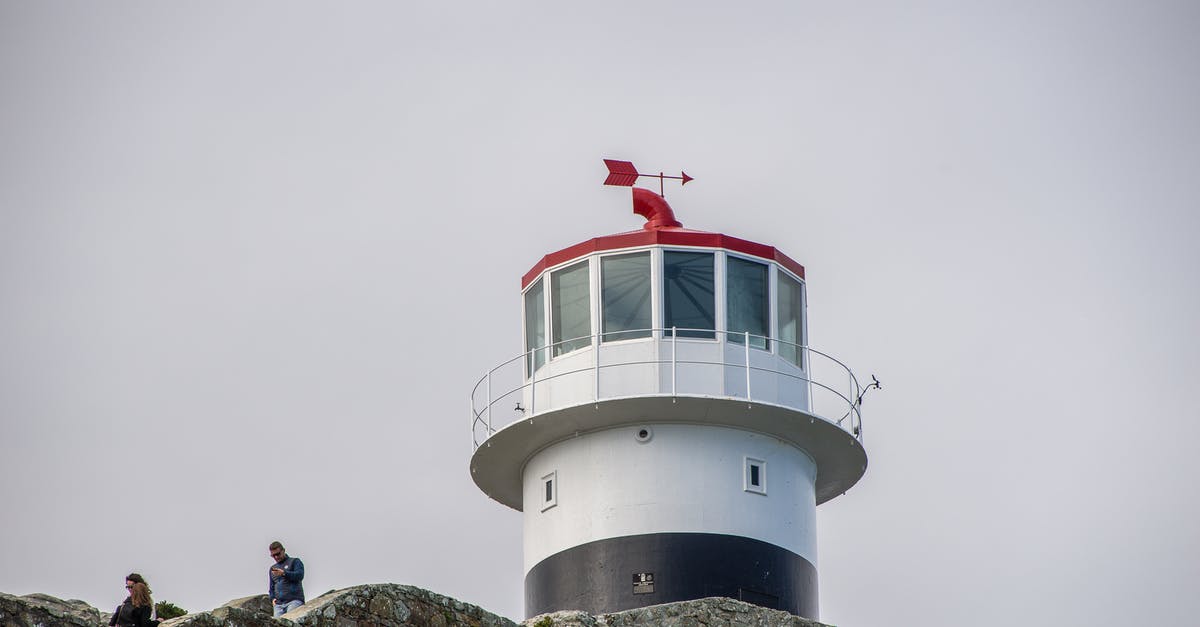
276, 545
138, 580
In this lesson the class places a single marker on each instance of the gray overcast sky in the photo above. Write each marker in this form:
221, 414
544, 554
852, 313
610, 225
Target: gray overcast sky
253, 257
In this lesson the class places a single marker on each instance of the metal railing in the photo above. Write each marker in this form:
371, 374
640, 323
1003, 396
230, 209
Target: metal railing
508, 381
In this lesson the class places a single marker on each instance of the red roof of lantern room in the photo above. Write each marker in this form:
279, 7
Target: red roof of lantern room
663, 230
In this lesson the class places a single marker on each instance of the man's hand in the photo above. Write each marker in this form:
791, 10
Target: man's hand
278, 572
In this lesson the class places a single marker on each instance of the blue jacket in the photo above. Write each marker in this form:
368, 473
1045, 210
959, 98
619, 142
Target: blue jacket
286, 588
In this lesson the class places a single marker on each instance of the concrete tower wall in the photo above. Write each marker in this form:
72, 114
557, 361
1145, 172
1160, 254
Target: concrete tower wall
675, 501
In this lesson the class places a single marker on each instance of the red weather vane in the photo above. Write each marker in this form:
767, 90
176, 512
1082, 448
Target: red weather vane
623, 173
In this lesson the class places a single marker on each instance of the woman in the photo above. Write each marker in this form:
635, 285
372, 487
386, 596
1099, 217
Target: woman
137, 608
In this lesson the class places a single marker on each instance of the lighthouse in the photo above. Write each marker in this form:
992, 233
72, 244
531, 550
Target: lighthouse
667, 432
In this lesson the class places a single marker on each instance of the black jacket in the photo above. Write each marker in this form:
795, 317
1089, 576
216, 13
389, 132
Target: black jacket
129, 616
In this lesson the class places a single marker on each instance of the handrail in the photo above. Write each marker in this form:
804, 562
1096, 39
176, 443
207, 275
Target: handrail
530, 375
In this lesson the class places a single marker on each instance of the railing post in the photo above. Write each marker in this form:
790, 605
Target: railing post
853, 395
596, 362
747, 338
489, 402
806, 359
533, 385
674, 335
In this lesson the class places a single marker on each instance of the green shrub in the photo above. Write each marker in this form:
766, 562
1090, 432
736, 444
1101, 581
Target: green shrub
166, 610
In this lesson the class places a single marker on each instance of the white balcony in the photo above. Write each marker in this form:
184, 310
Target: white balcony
674, 363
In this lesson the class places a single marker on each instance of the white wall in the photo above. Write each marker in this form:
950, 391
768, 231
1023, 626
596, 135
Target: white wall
687, 478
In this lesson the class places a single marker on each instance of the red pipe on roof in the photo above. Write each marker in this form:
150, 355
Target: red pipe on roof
654, 208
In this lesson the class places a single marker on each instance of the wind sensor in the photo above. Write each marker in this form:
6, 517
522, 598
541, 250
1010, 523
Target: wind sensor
623, 174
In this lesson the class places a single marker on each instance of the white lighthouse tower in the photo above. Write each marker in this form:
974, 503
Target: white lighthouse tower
668, 432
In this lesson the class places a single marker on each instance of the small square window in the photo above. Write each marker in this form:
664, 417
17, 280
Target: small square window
549, 490
754, 476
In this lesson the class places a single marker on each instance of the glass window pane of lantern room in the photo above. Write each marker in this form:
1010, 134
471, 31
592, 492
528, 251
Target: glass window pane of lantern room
689, 298
790, 315
570, 309
625, 296
535, 327
747, 301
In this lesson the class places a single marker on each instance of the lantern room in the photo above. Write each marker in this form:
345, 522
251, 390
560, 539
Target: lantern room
705, 298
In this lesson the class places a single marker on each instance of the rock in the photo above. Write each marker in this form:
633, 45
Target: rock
376, 605
711, 612
259, 603
43, 610
393, 605
224, 617
239, 616
563, 619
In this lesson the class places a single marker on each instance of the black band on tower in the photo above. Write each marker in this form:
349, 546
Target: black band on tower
610, 575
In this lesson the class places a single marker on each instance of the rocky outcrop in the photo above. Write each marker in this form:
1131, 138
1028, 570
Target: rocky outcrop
43, 610
259, 603
711, 612
388, 605
393, 605
375, 605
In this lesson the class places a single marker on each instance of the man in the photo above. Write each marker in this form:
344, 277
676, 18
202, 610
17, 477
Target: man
283, 581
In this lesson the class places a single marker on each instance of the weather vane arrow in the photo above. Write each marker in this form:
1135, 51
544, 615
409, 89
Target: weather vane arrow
623, 174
